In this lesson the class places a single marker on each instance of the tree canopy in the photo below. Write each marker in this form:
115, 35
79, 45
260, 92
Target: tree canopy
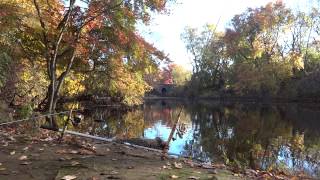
266, 51
90, 46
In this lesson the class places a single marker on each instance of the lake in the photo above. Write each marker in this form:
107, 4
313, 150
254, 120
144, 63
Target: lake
260, 136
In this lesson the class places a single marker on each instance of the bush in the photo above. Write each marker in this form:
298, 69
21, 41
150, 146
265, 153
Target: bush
25, 111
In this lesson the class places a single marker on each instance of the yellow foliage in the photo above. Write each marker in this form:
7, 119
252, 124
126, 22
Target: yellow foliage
73, 84
296, 60
268, 76
130, 85
72, 105
32, 81
133, 124
297, 142
180, 75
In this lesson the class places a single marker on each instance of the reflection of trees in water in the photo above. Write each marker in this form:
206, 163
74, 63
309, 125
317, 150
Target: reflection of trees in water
211, 132
112, 122
266, 137
133, 125
167, 111
252, 136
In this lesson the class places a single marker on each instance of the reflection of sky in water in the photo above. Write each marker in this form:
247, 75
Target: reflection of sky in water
162, 131
285, 157
226, 127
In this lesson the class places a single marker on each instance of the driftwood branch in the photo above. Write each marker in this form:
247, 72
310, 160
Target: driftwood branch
108, 140
174, 127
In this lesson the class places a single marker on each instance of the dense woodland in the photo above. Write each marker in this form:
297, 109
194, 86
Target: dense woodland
53, 49
60, 52
271, 51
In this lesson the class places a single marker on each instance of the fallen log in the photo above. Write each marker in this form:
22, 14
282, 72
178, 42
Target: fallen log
112, 140
109, 140
87, 135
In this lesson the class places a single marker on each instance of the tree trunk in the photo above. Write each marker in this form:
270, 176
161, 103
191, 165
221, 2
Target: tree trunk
52, 49
51, 105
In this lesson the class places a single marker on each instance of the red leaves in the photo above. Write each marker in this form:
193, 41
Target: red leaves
166, 74
122, 37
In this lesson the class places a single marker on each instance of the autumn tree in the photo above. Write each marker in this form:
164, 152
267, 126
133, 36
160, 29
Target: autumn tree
180, 75
174, 74
208, 53
166, 74
253, 43
263, 52
80, 36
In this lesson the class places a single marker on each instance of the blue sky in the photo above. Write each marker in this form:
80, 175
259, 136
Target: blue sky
165, 30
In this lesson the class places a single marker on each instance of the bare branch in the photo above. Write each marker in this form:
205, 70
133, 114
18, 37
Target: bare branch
43, 26
44, 35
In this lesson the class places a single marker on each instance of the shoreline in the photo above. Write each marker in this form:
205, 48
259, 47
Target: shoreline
91, 159
239, 99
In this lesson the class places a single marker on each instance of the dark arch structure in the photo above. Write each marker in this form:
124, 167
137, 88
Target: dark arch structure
163, 89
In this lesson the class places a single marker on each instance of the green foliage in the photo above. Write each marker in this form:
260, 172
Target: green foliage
25, 111
209, 62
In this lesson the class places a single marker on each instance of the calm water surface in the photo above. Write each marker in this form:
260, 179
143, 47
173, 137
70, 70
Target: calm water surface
282, 136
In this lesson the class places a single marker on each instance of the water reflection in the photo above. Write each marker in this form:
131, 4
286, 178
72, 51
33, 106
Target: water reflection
285, 136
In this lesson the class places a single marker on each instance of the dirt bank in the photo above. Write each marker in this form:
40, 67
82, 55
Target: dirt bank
40, 156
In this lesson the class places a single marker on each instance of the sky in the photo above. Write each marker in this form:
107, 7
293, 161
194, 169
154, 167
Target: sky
165, 30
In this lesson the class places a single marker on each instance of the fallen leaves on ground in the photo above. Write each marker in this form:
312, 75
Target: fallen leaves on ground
177, 165
114, 172
74, 152
25, 163
113, 177
61, 151
11, 138
267, 175
22, 158
109, 173
85, 152
166, 167
47, 139
5, 143
207, 166
194, 177
74, 163
69, 177
65, 158
236, 175
68, 151
174, 177
219, 166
